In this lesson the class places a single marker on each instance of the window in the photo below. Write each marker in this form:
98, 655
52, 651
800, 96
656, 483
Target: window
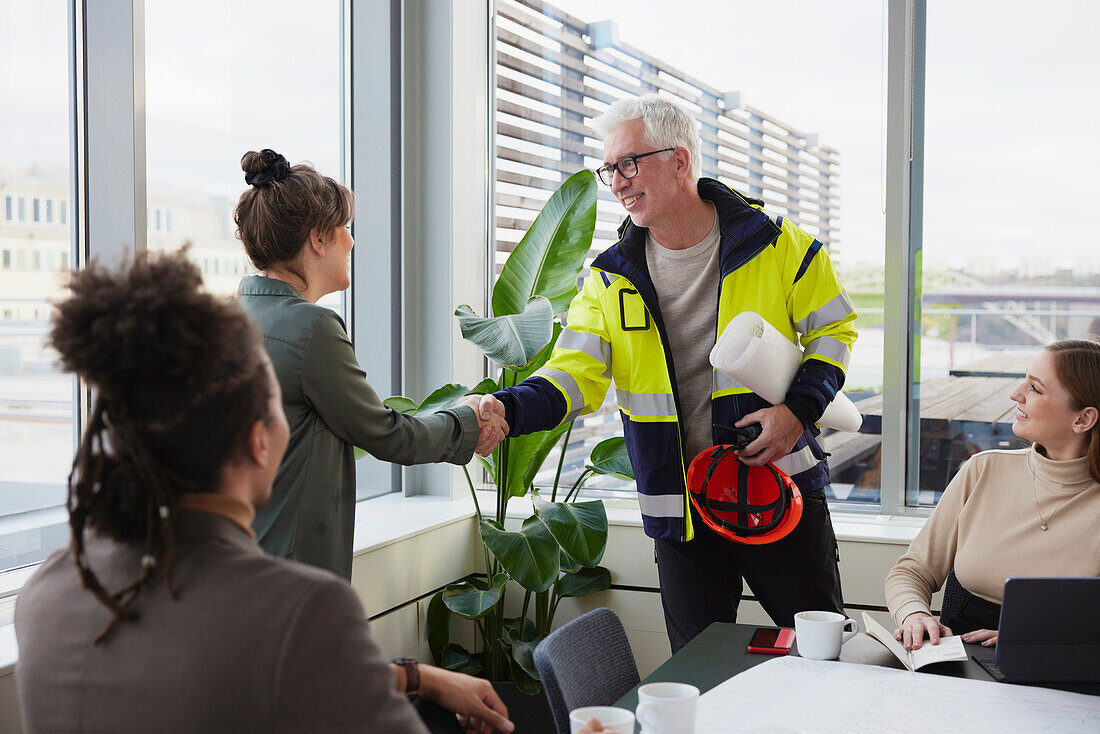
36, 402
999, 280
62, 212
49, 211
292, 105
803, 132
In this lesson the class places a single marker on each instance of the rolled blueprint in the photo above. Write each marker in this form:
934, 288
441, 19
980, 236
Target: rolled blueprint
753, 352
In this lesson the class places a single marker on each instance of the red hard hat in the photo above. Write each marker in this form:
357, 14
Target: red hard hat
753, 505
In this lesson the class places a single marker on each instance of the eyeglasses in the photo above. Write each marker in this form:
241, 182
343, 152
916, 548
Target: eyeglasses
627, 167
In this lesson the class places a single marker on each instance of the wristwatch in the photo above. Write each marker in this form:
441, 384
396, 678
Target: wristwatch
412, 676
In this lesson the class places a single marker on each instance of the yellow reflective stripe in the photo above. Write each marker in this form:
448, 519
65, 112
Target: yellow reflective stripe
833, 311
587, 342
568, 385
646, 404
661, 505
797, 462
831, 350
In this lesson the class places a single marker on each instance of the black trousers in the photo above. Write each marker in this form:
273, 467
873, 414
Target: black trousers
702, 580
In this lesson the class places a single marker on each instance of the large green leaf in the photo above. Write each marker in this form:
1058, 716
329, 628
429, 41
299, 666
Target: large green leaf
474, 599
454, 657
610, 457
580, 528
530, 556
512, 340
484, 387
519, 628
523, 653
585, 581
524, 682
548, 259
538, 360
438, 626
526, 455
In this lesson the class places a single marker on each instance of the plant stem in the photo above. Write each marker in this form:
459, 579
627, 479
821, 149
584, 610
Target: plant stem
577, 484
473, 493
526, 604
561, 460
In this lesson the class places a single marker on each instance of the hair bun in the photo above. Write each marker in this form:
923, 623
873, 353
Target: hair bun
264, 167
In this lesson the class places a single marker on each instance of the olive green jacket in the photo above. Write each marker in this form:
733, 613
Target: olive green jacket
331, 409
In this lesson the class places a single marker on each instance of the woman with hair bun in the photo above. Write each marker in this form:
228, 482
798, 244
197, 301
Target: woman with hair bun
294, 224
1026, 512
165, 615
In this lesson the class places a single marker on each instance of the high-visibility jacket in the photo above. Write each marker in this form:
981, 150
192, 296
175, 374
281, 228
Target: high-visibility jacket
615, 332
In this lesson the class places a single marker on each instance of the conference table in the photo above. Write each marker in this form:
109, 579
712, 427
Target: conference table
719, 653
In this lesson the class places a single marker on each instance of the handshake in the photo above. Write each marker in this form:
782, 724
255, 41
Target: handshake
490, 419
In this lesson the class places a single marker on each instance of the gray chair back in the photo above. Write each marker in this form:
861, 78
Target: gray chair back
586, 662
953, 596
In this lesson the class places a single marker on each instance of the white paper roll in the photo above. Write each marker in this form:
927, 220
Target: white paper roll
753, 352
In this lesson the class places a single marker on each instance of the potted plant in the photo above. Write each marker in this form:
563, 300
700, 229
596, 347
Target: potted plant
556, 552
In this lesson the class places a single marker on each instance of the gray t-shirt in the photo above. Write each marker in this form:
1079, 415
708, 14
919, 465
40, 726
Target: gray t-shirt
687, 291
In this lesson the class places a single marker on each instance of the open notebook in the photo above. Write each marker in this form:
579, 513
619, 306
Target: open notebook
950, 648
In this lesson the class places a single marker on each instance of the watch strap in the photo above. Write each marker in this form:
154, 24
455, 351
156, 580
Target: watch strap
412, 676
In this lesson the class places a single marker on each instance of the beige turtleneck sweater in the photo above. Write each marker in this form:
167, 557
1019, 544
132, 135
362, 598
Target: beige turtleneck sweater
987, 528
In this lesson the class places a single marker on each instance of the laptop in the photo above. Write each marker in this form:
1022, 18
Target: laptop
1049, 632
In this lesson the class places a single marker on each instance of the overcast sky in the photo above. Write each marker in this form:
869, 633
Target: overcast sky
1012, 151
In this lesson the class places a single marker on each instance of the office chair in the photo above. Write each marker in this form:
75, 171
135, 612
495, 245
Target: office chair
953, 596
587, 662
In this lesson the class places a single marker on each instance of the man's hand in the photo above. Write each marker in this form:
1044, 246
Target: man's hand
913, 628
988, 638
472, 699
490, 418
779, 431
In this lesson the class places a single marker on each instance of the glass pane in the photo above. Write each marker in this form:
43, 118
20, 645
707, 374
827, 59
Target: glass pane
216, 89
802, 131
1009, 258
36, 401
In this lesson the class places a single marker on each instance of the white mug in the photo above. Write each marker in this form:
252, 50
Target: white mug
820, 634
667, 708
620, 721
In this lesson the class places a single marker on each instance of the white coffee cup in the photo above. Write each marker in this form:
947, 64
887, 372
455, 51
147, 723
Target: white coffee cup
614, 719
820, 634
667, 708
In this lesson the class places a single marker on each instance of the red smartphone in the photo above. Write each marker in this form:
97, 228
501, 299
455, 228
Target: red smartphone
771, 641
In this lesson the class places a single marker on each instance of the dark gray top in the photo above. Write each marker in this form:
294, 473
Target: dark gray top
331, 409
253, 644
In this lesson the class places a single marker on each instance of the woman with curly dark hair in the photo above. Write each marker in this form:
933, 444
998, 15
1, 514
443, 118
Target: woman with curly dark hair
165, 615
294, 224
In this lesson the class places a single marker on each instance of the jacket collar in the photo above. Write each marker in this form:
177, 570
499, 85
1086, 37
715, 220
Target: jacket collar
193, 525
258, 285
745, 232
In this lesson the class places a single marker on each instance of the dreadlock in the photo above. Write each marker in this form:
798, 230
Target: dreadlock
179, 378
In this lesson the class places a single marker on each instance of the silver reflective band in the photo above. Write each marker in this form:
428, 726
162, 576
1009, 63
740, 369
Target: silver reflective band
830, 313
661, 505
831, 347
647, 404
590, 344
797, 462
722, 381
565, 381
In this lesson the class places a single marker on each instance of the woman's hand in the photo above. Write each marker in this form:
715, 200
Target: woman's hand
914, 627
473, 699
988, 638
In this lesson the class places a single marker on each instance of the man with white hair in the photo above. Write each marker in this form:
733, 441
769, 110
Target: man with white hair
693, 254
